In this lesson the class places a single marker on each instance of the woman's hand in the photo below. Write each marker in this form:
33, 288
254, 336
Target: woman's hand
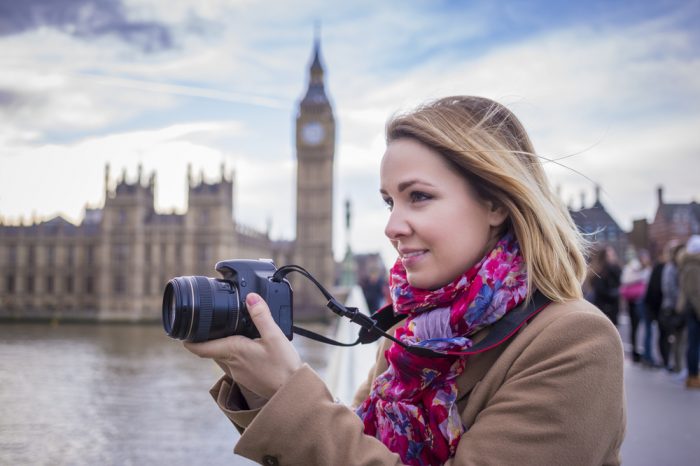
262, 365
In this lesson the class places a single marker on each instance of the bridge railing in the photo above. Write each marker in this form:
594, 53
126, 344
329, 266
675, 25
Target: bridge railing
349, 367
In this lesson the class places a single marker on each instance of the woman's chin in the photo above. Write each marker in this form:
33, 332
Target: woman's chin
422, 281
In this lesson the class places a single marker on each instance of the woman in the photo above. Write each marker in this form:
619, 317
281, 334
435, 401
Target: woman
635, 276
477, 230
672, 323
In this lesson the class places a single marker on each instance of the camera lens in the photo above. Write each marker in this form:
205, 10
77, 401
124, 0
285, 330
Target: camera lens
197, 308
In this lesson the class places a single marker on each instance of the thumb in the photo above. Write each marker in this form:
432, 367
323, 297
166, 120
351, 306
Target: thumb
260, 313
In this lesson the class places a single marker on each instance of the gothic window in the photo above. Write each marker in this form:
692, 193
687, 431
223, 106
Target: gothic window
50, 255
69, 284
70, 255
120, 252
10, 283
89, 285
49, 284
147, 285
12, 254
205, 253
119, 284
30, 284
90, 255
30, 255
178, 253
121, 217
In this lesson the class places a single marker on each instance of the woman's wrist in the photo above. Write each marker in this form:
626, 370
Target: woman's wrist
252, 399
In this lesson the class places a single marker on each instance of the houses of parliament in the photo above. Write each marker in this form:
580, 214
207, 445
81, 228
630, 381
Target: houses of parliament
116, 262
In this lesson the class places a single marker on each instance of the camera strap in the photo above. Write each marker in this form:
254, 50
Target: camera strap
375, 326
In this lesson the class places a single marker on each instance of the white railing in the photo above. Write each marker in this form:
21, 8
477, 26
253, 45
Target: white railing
349, 367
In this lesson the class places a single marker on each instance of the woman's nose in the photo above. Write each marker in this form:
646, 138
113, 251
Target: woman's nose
397, 226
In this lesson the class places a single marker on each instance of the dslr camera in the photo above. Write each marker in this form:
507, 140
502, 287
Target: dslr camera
197, 308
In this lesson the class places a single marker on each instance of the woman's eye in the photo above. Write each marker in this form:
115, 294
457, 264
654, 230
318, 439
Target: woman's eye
388, 203
417, 196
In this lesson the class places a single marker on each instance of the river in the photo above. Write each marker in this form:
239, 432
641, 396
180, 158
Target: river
87, 394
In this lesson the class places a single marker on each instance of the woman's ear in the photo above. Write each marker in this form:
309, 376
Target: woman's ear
497, 214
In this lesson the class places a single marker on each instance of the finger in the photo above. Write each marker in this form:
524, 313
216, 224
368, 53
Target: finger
260, 313
221, 348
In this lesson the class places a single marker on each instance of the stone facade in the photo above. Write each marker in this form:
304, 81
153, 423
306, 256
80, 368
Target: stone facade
599, 227
673, 222
115, 264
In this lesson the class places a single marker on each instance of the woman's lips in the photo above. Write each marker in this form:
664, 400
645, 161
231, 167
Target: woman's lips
409, 259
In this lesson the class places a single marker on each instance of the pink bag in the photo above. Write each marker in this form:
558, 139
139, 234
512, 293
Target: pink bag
633, 291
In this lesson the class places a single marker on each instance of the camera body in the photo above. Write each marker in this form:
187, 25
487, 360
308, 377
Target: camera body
197, 308
255, 276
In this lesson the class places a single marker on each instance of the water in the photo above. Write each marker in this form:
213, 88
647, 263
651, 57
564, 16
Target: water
112, 394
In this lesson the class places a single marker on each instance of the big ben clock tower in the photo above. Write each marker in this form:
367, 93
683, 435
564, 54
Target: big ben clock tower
315, 146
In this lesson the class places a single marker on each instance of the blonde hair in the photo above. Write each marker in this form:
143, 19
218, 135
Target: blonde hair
488, 145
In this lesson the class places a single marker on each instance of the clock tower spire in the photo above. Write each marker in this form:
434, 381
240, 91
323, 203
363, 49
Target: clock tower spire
315, 148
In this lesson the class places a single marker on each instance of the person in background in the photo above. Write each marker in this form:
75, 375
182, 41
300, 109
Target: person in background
603, 282
373, 289
690, 302
653, 300
635, 276
671, 321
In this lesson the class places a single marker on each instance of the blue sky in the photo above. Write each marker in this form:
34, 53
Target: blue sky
171, 83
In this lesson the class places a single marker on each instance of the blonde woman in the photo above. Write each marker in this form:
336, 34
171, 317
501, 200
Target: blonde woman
477, 231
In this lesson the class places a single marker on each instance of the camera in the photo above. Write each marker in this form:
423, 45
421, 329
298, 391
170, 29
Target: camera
197, 308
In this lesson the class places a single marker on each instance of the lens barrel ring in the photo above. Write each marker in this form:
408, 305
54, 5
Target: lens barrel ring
206, 307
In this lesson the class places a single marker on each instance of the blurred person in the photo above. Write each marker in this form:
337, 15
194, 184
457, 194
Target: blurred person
603, 282
671, 321
373, 289
633, 284
690, 302
478, 231
653, 299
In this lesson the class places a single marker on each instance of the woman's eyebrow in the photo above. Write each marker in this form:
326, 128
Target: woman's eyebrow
404, 185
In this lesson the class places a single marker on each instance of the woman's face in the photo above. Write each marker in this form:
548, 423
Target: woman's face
438, 225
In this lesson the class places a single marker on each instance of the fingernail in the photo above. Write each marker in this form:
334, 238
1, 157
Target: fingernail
252, 299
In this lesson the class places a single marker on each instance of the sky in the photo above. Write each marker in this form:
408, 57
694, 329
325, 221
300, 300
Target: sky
610, 89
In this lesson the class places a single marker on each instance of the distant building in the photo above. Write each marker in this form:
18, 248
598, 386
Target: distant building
672, 222
115, 264
599, 226
639, 236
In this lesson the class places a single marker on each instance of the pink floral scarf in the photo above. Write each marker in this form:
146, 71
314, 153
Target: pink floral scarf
412, 406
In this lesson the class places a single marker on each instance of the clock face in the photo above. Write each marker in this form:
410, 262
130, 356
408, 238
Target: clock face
312, 133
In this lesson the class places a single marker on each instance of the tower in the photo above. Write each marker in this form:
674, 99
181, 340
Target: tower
315, 147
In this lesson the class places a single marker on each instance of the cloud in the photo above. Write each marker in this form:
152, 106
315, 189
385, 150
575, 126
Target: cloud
618, 92
85, 19
55, 178
619, 96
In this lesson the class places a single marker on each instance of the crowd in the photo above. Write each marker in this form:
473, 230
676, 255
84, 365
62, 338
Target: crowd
662, 299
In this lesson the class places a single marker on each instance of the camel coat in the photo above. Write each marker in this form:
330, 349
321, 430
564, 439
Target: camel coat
553, 395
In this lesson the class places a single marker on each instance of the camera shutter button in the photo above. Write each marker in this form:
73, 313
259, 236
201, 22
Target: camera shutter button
269, 460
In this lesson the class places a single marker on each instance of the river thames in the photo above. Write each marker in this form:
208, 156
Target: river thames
86, 394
